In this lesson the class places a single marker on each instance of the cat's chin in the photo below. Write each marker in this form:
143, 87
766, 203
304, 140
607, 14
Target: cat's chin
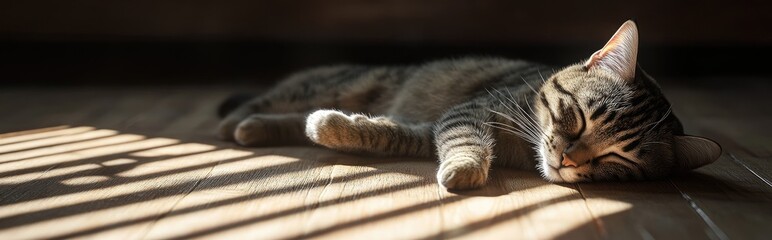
551, 174
569, 175
561, 175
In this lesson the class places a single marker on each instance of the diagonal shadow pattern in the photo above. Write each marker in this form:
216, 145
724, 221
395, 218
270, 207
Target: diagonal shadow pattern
211, 182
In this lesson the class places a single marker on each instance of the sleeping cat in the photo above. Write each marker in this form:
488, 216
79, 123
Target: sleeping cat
602, 119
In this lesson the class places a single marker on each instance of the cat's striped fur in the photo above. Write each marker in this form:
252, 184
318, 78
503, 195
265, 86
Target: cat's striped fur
601, 120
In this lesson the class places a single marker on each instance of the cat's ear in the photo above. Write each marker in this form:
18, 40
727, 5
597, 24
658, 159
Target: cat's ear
692, 152
620, 53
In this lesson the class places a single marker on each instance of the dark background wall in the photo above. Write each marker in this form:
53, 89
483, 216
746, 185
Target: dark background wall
44, 42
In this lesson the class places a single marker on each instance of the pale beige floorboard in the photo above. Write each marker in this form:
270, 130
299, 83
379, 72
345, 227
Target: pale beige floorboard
44, 192
32, 134
338, 192
153, 179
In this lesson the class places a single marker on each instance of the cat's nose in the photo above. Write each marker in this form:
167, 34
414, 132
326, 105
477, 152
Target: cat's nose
567, 161
576, 155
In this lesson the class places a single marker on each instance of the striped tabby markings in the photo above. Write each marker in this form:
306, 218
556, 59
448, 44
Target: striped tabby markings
359, 133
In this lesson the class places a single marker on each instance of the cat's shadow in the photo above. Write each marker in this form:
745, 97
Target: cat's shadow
504, 181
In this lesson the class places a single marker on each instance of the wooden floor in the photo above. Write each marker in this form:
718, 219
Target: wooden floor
142, 163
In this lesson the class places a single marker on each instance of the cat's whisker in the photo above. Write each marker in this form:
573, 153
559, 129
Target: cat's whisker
521, 121
501, 101
530, 134
521, 118
523, 114
669, 109
646, 144
507, 128
529, 85
512, 130
530, 108
532, 115
510, 118
531, 130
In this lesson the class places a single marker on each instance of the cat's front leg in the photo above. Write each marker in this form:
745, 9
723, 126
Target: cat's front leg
464, 146
377, 135
463, 172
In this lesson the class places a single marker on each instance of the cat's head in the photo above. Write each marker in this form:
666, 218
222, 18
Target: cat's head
605, 119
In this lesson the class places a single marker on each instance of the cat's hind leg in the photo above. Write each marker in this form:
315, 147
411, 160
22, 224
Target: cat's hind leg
305, 91
360, 133
271, 130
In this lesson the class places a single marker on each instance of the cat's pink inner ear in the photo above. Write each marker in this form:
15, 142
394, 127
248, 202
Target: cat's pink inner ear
619, 54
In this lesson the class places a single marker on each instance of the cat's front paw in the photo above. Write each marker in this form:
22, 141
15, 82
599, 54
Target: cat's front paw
329, 128
462, 173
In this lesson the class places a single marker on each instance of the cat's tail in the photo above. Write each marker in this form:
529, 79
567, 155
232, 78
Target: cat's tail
233, 102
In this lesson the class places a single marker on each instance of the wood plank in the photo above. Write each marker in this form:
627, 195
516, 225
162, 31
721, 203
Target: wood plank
52, 141
372, 199
518, 205
201, 114
79, 186
34, 134
642, 210
132, 189
125, 106
270, 196
734, 114
729, 197
191, 185
733, 195
59, 107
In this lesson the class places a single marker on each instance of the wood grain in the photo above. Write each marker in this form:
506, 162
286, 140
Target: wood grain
139, 163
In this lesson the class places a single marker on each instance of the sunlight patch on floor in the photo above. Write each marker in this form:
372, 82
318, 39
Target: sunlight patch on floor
181, 165
41, 163
563, 223
119, 161
75, 181
107, 185
17, 137
53, 173
180, 149
57, 140
252, 218
38, 152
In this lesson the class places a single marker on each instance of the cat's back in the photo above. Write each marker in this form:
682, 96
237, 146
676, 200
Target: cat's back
435, 86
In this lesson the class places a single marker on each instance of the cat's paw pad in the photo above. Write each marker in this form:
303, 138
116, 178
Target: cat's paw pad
251, 132
329, 128
462, 173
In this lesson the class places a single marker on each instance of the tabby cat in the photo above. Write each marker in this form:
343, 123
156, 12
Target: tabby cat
602, 119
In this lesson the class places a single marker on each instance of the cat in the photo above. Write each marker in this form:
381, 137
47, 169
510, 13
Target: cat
601, 119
